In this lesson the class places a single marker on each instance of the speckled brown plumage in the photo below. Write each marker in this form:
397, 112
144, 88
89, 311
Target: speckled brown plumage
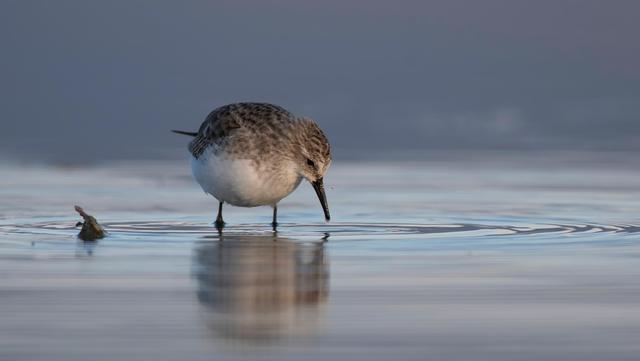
256, 131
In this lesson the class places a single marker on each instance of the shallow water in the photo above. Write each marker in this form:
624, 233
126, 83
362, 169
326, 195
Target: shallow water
491, 259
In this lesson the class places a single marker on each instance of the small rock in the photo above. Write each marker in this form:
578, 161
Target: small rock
91, 229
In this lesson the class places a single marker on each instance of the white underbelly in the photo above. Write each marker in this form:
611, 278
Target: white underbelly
238, 182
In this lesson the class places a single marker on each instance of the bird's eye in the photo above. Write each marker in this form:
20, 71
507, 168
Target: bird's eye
310, 163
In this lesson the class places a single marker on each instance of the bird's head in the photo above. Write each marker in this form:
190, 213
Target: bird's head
314, 159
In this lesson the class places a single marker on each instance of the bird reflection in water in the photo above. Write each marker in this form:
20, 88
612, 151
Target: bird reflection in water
262, 288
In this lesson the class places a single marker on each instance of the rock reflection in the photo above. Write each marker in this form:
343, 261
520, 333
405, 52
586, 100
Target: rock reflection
262, 288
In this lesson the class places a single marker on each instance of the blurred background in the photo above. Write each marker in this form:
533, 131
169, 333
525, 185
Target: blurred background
86, 81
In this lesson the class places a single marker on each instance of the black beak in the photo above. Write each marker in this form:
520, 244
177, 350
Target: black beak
319, 188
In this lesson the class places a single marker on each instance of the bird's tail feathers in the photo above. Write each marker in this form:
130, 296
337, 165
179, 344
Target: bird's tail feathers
193, 134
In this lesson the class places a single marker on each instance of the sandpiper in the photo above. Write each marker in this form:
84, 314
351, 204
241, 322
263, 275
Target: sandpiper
255, 154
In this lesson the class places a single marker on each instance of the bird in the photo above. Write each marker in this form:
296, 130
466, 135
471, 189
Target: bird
255, 154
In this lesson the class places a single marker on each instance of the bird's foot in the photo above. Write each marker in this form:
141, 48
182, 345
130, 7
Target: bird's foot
274, 225
219, 224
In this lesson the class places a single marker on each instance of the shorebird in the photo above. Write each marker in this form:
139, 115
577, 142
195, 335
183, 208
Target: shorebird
255, 154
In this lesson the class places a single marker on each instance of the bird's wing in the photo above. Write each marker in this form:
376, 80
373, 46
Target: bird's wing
222, 122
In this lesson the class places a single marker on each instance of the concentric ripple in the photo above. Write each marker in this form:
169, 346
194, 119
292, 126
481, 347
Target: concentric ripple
336, 230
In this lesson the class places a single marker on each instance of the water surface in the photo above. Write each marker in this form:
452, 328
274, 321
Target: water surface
493, 259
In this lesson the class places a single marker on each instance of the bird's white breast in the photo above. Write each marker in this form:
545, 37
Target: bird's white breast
240, 182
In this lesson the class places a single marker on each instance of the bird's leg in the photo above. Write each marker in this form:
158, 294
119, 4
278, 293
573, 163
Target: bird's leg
274, 223
219, 222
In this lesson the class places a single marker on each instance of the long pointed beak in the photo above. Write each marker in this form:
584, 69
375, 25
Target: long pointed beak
318, 186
